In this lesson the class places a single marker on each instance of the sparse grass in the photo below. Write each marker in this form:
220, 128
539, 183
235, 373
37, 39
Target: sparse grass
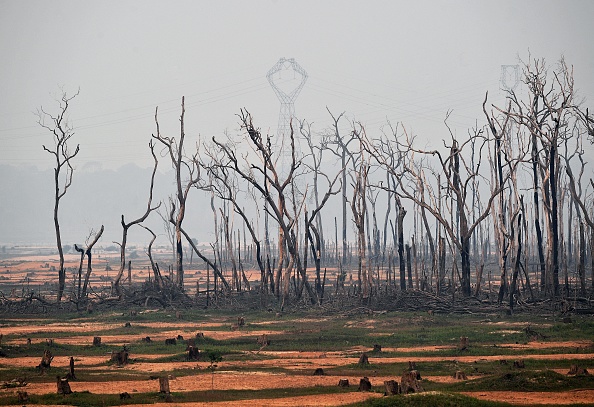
307, 331
429, 399
526, 380
86, 399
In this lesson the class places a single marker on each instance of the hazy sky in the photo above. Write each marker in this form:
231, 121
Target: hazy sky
406, 61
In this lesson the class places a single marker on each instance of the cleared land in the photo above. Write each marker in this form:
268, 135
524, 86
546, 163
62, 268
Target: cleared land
282, 373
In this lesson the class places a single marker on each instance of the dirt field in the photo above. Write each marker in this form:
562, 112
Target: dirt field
246, 366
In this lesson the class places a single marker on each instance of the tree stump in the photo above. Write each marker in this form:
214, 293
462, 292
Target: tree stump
240, 321
377, 348
164, 385
193, 353
120, 357
392, 388
343, 383
170, 341
364, 384
364, 360
63, 385
190, 343
146, 339
125, 395
412, 365
178, 315
49, 342
410, 382
22, 396
263, 340
519, 364
180, 338
71, 374
318, 372
459, 375
200, 335
46, 360
97, 341
576, 370
463, 345
28, 341
127, 325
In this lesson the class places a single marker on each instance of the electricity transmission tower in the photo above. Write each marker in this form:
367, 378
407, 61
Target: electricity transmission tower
510, 77
287, 78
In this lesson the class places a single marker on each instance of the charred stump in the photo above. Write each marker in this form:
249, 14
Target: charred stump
71, 374
463, 344
364, 384
190, 343
170, 341
459, 375
377, 348
263, 340
120, 357
193, 353
164, 385
97, 341
519, 364
392, 388
22, 396
318, 372
343, 383
410, 382
576, 370
125, 396
46, 360
364, 360
63, 385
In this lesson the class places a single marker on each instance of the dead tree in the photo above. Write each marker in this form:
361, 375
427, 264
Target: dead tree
264, 179
550, 111
314, 235
341, 150
575, 187
158, 278
358, 208
187, 175
63, 170
224, 186
88, 252
456, 177
126, 226
316, 161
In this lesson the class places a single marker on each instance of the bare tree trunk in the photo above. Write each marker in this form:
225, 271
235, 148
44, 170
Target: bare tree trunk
89, 267
401, 215
62, 134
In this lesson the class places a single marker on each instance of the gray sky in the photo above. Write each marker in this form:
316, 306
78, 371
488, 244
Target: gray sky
406, 61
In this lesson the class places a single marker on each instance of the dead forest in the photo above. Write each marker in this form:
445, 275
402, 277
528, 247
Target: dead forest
500, 217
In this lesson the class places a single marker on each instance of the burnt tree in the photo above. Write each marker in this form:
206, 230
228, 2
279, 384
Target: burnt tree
63, 170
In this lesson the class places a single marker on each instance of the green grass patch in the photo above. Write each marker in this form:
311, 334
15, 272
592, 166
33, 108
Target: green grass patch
529, 380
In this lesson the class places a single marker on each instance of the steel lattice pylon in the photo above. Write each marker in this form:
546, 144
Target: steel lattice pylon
510, 77
287, 98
